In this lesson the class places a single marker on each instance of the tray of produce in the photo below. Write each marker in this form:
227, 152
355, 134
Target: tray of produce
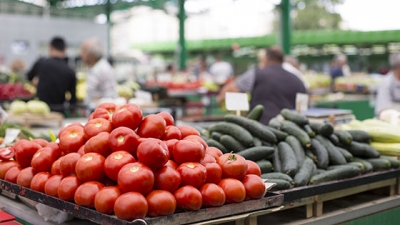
122, 166
296, 153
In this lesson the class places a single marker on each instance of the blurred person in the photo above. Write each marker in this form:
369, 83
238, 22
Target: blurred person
270, 85
339, 68
167, 75
221, 70
388, 93
54, 78
101, 81
17, 67
292, 65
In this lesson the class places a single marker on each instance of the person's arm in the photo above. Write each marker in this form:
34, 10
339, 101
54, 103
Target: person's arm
229, 87
72, 90
244, 83
33, 72
91, 87
383, 99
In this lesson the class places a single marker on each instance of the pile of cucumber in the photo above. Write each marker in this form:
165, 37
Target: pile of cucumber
295, 152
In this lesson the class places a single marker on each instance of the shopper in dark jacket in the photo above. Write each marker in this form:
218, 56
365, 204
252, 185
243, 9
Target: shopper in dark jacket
54, 77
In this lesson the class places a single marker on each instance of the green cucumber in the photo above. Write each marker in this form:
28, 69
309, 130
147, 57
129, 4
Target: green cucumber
265, 166
275, 123
297, 149
257, 142
231, 144
287, 158
257, 153
216, 136
344, 137
394, 163
362, 150
324, 129
360, 136
334, 167
320, 171
309, 131
335, 157
334, 139
359, 165
280, 184
315, 170
276, 162
277, 175
236, 131
346, 154
255, 128
311, 155
379, 164
305, 172
321, 154
214, 143
292, 129
280, 135
298, 119
256, 113
367, 165
336, 174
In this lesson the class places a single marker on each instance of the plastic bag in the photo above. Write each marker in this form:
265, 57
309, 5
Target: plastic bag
51, 214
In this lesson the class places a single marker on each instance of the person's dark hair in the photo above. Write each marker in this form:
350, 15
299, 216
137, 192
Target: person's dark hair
58, 43
275, 53
170, 67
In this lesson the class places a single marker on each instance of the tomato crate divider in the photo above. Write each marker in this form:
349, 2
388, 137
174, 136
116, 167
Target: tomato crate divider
313, 196
270, 200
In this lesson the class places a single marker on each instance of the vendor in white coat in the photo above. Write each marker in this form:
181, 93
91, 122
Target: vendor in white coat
388, 96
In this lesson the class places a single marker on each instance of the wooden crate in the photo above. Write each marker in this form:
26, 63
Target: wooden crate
28, 119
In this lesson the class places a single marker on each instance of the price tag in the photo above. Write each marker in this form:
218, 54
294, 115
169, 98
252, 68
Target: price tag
301, 102
237, 101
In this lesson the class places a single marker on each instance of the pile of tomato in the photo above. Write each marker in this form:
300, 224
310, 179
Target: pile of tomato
120, 163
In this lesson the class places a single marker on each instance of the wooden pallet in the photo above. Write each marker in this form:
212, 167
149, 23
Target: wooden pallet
28, 119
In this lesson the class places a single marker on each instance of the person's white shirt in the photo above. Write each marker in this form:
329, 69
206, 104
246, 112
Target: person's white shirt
388, 96
288, 67
346, 70
221, 71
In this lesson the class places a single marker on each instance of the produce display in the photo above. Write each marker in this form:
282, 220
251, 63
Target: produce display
357, 83
121, 163
296, 152
33, 106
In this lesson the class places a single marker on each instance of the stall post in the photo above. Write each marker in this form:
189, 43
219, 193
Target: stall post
182, 41
285, 26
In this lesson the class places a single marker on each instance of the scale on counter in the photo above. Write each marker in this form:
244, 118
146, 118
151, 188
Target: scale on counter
321, 115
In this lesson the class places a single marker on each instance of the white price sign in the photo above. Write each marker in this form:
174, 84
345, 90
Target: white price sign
301, 102
237, 101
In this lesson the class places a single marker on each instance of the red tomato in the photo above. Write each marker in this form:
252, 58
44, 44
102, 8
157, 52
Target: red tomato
109, 106
186, 131
55, 167
153, 126
167, 178
5, 166
51, 186
12, 174
213, 151
25, 177
188, 151
95, 126
39, 180
234, 190
208, 159
81, 150
68, 163
153, 153
172, 132
24, 151
130, 206
129, 115
161, 203
105, 199
99, 144
253, 168
54, 146
255, 187
41, 142
232, 165
169, 120
197, 138
44, 158
214, 173
192, 173
90, 167
123, 139
212, 195
170, 144
6, 153
85, 193
115, 162
108, 182
72, 138
171, 164
101, 113
67, 188
136, 177
72, 124
188, 198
